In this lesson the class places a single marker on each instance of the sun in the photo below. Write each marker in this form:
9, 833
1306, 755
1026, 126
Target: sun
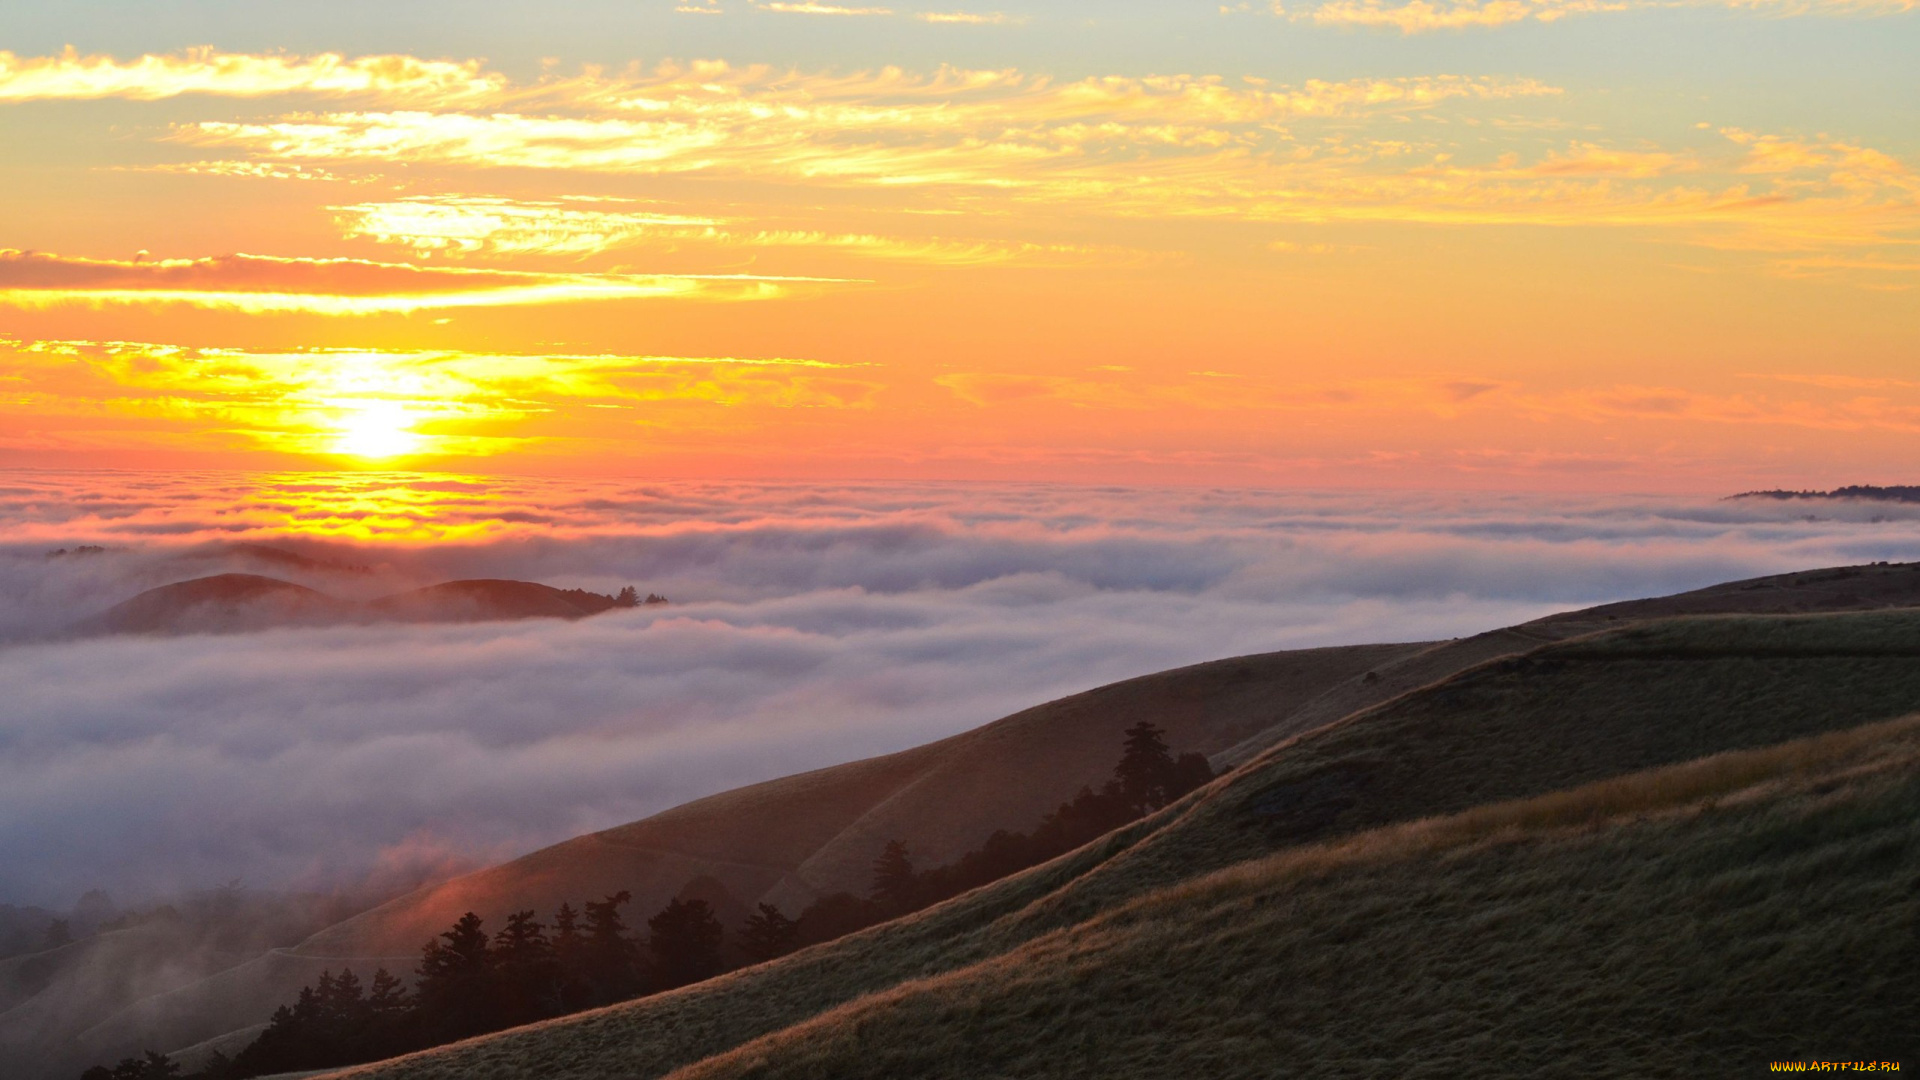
375, 429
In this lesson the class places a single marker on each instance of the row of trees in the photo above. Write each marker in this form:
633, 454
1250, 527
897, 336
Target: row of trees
469, 982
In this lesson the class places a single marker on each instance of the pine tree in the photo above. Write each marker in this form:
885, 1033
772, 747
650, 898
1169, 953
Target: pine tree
628, 597
685, 940
893, 882
768, 933
570, 955
386, 995
455, 993
528, 977
609, 951
1146, 770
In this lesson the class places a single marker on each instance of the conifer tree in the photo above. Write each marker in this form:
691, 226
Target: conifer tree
609, 951
768, 933
455, 992
570, 956
525, 971
893, 881
684, 940
1146, 771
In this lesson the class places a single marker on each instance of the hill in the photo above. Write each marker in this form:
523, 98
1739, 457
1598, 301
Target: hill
1628, 830
238, 603
1906, 493
221, 603
792, 839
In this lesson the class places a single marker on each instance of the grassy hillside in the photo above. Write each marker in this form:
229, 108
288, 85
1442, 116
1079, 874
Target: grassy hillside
1586, 712
1696, 921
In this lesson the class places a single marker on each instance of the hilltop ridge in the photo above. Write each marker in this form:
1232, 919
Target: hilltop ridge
237, 602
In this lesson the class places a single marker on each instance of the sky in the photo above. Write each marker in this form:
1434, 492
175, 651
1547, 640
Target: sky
1600, 246
809, 624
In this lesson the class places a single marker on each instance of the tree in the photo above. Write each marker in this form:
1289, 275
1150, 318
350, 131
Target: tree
456, 992
570, 958
59, 932
685, 940
1146, 770
387, 995
151, 1067
628, 597
527, 975
768, 933
608, 952
894, 886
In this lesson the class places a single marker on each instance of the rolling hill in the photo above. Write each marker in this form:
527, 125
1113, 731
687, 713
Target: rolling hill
1332, 744
238, 603
1692, 837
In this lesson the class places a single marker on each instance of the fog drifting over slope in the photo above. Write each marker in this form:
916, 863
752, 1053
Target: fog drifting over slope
810, 625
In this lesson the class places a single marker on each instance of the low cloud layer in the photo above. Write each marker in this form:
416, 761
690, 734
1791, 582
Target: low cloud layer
810, 625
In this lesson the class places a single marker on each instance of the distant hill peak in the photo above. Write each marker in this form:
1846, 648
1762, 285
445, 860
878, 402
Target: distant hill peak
229, 603
1900, 493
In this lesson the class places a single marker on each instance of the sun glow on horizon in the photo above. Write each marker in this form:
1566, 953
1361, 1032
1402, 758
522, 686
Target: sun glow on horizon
375, 430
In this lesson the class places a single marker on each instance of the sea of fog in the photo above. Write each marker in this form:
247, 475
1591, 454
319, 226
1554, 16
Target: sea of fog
809, 625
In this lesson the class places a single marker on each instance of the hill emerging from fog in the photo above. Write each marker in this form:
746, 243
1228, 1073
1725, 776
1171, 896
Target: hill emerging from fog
1335, 749
1901, 493
237, 603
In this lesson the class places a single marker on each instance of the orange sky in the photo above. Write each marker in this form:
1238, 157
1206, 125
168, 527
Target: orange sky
1483, 247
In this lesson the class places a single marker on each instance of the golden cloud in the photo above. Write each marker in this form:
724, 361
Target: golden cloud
71, 76
1419, 16
266, 284
467, 224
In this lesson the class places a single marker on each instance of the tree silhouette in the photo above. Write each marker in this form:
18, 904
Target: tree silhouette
456, 991
526, 973
767, 934
1145, 772
684, 939
893, 883
59, 932
151, 1067
627, 597
607, 963
570, 956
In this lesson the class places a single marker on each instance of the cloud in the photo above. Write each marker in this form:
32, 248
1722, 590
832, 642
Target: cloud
490, 225
811, 624
265, 284
1421, 16
966, 18
888, 127
70, 76
811, 8
1005, 145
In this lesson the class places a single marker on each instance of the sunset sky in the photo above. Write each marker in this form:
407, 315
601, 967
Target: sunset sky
1604, 245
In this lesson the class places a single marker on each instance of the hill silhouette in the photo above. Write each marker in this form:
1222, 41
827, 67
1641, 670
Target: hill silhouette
1903, 493
238, 603
1330, 743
